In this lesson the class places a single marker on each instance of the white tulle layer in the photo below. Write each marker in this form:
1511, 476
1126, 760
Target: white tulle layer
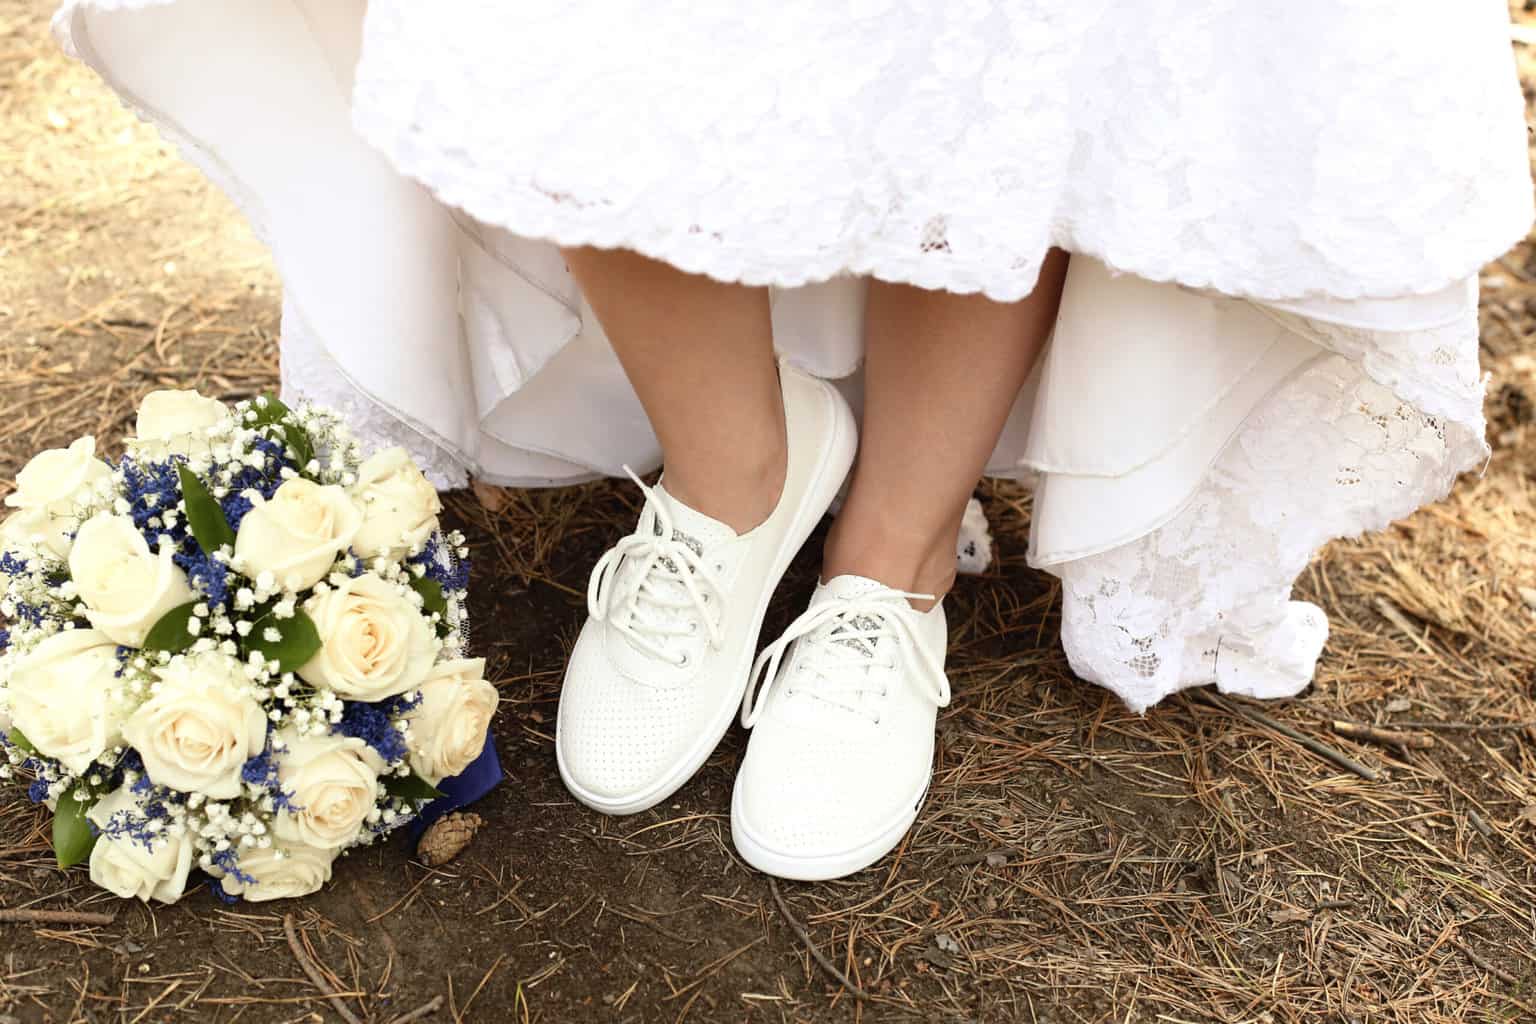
1177, 507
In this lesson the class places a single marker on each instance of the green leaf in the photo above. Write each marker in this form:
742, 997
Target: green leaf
204, 515
410, 787
170, 633
431, 591
72, 834
298, 640
275, 415
20, 741
272, 413
299, 444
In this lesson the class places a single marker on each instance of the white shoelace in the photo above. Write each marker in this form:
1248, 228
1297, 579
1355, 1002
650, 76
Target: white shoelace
674, 588
867, 633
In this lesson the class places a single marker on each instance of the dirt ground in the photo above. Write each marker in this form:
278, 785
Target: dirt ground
1075, 862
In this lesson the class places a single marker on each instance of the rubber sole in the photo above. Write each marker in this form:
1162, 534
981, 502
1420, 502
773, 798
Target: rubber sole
823, 867
818, 497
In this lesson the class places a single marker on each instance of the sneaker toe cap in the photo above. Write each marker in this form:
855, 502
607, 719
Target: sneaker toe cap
619, 738
821, 797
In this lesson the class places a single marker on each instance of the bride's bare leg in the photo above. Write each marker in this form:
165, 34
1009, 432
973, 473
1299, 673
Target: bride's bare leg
942, 373
700, 356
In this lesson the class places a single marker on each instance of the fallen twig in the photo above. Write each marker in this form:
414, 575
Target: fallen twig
1394, 615
79, 917
314, 972
1478, 960
977, 856
805, 939
1466, 726
424, 1010
1317, 747
1359, 731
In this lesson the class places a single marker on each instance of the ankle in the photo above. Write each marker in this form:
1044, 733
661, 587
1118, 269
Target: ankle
916, 561
740, 491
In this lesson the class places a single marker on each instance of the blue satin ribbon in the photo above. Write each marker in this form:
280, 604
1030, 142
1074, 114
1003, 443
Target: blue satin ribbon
482, 776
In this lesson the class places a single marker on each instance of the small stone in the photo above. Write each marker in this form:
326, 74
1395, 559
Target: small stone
447, 838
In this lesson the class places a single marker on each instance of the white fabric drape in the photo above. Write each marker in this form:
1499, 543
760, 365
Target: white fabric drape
1190, 449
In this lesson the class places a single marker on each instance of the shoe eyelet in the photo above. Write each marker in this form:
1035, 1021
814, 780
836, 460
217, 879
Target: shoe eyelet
683, 660
693, 627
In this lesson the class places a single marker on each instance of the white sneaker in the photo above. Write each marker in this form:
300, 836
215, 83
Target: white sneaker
674, 614
841, 752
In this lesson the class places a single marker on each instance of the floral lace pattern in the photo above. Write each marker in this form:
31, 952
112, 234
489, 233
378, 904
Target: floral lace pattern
1206, 598
949, 143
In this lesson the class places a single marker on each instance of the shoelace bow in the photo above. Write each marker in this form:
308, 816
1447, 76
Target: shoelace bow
837, 668
670, 577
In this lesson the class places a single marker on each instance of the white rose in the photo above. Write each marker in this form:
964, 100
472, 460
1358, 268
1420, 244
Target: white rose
177, 423
399, 506
298, 533
30, 528
59, 475
448, 727
125, 587
50, 492
279, 872
200, 727
331, 783
63, 697
374, 643
130, 868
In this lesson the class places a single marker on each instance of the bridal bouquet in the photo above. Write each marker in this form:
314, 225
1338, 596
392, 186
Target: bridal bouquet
239, 649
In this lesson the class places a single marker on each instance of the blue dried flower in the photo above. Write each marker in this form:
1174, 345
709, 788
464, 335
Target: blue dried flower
30, 614
442, 565
262, 771
208, 576
219, 894
235, 507
228, 861
132, 827
151, 488
374, 724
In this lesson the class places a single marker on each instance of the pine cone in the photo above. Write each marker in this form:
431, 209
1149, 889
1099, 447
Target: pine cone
447, 838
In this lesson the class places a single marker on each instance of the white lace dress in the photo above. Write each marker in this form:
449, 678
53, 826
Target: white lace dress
1269, 334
